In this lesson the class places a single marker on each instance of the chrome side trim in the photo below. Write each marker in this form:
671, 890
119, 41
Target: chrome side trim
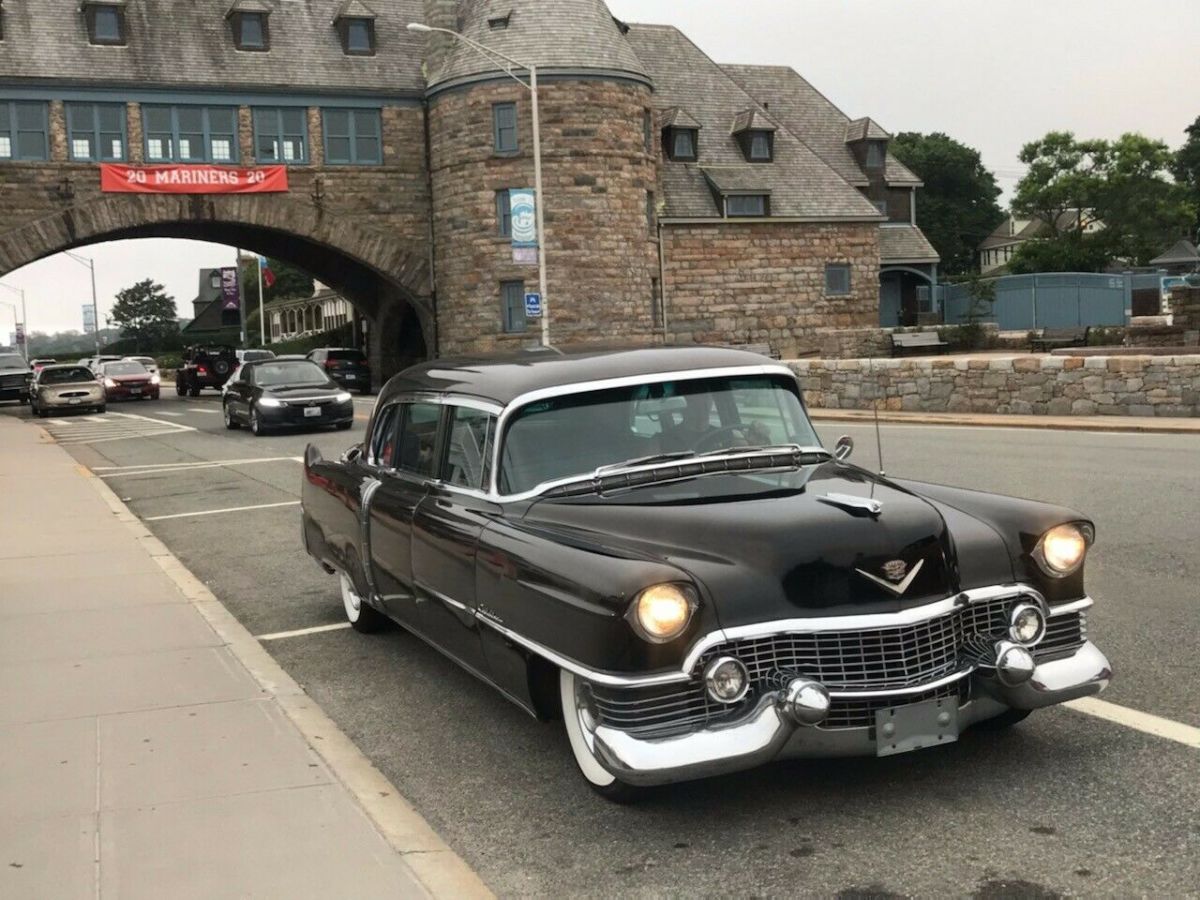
1074, 606
369, 487
901, 692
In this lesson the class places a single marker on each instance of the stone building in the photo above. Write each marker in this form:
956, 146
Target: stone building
683, 200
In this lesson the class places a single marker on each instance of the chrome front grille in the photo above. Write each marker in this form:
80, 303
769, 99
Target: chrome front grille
865, 660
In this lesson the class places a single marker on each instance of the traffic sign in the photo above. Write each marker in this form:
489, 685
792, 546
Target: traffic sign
533, 306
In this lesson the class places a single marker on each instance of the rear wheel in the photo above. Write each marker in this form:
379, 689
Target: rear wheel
362, 616
195, 391
180, 388
577, 717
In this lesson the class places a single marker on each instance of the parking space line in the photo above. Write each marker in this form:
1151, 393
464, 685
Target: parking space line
168, 468
1187, 735
218, 512
213, 462
173, 415
302, 632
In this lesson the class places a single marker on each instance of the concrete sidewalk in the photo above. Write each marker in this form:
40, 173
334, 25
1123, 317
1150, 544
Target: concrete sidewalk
1131, 424
149, 747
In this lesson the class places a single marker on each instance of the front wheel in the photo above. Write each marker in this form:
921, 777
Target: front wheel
577, 717
195, 392
230, 422
180, 388
363, 617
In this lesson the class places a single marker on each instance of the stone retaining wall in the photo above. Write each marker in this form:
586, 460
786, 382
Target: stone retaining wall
1029, 385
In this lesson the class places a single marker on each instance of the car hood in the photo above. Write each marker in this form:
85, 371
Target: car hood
766, 551
286, 392
130, 379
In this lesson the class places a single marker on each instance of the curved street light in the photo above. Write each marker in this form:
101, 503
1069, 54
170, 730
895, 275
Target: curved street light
510, 66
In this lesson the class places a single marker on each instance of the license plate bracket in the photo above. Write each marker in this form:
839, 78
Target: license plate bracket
312, 412
915, 726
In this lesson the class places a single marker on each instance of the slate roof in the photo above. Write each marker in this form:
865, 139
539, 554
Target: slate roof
800, 183
1182, 254
563, 34
905, 243
814, 119
678, 118
752, 120
866, 129
190, 45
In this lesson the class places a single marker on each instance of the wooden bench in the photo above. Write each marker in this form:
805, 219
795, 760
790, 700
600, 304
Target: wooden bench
1059, 337
921, 341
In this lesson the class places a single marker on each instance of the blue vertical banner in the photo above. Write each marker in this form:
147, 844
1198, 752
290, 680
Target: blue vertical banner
523, 202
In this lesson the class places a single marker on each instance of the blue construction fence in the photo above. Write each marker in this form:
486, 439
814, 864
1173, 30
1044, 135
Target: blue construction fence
1060, 300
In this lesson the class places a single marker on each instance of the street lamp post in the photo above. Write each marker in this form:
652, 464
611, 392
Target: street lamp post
532, 87
24, 318
91, 264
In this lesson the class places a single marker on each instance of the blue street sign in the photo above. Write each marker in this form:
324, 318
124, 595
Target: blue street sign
533, 306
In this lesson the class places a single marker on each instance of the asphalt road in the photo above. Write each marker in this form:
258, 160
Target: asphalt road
1065, 804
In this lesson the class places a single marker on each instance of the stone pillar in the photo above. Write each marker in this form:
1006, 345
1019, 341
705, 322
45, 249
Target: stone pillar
133, 125
58, 131
245, 136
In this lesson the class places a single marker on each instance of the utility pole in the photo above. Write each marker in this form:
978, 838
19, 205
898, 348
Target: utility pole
91, 264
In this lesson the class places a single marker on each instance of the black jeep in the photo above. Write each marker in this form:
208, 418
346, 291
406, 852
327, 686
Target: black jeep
204, 367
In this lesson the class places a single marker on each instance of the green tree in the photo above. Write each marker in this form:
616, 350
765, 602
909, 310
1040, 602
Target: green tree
957, 207
146, 314
1187, 166
1124, 185
290, 281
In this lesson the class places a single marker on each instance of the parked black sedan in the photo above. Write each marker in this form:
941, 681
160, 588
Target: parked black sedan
654, 545
348, 367
278, 393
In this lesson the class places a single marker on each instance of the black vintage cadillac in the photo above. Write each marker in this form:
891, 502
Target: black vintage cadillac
654, 545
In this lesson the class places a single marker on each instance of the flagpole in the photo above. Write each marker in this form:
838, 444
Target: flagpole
262, 322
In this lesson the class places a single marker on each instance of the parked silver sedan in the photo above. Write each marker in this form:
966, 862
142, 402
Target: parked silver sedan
59, 388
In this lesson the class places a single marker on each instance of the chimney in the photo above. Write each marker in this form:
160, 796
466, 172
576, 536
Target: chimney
439, 14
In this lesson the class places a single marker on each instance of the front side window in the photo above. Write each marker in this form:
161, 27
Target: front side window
190, 134
504, 127
418, 438
746, 205
603, 428
383, 438
250, 31
281, 135
353, 137
837, 279
23, 131
469, 447
512, 307
96, 132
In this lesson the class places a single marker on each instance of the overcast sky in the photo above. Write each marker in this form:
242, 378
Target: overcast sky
991, 74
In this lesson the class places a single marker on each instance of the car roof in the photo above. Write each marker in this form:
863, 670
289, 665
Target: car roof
63, 366
502, 379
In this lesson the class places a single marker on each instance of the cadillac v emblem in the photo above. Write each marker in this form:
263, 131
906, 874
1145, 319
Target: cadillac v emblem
893, 571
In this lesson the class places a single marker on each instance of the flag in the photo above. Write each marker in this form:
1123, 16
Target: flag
267, 274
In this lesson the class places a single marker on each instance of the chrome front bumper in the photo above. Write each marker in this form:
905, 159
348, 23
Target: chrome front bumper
767, 733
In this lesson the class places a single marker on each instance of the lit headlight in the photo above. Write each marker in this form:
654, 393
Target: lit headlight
269, 402
1061, 549
662, 612
343, 397
154, 379
108, 382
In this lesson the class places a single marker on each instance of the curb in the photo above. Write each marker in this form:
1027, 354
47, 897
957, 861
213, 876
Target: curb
1045, 423
435, 866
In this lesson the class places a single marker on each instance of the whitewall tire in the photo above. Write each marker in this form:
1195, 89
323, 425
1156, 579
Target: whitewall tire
361, 616
575, 717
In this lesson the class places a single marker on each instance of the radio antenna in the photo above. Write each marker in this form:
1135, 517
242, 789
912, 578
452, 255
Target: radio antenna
875, 404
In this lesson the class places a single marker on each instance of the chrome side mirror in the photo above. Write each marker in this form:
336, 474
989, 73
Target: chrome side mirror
843, 448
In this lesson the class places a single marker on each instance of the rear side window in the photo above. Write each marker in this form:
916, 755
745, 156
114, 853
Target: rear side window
418, 438
469, 448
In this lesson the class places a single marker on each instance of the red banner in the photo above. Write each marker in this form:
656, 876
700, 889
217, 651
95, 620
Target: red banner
116, 178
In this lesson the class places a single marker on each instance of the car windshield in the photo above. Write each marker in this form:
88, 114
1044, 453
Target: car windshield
12, 361
348, 355
124, 368
144, 360
575, 434
66, 376
279, 374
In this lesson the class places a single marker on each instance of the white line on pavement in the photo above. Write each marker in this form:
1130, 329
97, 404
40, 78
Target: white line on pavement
218, 512
214, 462
212, 412
58, 421
173, 415
167, 468
1187, 735
319, 629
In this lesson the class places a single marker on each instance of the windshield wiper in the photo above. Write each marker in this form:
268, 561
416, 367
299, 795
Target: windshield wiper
645, 461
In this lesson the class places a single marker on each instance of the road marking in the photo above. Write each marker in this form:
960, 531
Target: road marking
1187, 735
167, 468
58, 422
319, 629
218, 512
163, 412
211, 412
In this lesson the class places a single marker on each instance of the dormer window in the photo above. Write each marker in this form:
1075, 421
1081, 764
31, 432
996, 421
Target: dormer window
683, 143
875, 155
355, 23
739, 206
499, 23
248, 19
755, 134
105, 23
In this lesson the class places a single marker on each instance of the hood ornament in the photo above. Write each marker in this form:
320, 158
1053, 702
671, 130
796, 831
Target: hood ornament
893, 571
853, 503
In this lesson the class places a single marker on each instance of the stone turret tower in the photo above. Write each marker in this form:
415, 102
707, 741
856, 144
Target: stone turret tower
599, 173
